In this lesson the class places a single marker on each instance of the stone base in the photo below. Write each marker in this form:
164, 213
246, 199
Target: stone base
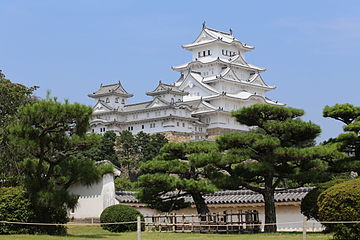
214, 132
173, 136
210, 134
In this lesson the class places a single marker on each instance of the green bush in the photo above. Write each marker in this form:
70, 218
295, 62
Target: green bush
342, 203
120, 213
309, 205
15, 207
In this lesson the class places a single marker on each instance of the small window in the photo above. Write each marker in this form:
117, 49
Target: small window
122, 101
204, 53
199, 54
92, 130
208, 52
142, 126
107, 100
183, 124
116, 100
177, 124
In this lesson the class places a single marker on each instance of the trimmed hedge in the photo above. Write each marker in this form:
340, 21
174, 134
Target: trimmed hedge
15, 207
309, 205
342, 203
120, 213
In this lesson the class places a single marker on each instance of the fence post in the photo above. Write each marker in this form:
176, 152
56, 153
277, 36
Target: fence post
304, 228
138, 228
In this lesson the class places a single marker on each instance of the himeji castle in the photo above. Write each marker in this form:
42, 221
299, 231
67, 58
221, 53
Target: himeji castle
198, 105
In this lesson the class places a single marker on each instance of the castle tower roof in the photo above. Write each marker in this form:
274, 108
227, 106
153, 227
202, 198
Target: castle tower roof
163, 88
112, 89
209, 35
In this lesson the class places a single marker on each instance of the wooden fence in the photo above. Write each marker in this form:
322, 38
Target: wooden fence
225, 222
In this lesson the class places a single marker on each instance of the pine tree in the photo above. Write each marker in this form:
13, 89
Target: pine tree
348, 142
276, 149
51, 135
176, 172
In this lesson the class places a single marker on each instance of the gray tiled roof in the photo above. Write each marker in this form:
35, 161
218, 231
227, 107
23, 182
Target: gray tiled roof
116, 88
232, 196
166, 88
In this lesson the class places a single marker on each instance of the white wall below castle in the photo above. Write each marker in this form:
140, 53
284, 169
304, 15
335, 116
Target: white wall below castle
93, 199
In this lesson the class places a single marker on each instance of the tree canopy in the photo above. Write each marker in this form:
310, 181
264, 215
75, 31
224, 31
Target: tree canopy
348, 142
274, 150
176, 172
12, 96
50, 136
132, 150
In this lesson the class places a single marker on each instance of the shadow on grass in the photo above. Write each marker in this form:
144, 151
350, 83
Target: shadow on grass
94, 236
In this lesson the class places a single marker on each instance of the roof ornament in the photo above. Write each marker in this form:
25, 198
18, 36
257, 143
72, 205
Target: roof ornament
204, 24
231, 31
159, 81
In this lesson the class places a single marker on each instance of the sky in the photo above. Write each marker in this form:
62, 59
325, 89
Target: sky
310, 48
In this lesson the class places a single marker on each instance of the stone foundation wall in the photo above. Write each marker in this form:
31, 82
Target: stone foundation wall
214, 132
178, 136
211, 134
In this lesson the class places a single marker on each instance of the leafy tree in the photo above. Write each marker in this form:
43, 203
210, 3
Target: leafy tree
276, 150
348, 142
128, 161
107, 147
176, 172
52, 134
12, 96
135, 149
103, 147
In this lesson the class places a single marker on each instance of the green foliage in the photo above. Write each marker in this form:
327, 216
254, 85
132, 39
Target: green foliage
51, 135
177, 171
105, 169
135, 149
348, 142
309, 205
124, 184
16, 207
277, 150
12, 96
341, 202
120, 213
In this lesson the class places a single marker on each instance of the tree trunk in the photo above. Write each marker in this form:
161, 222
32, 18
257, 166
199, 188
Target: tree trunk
270, 212
200, 204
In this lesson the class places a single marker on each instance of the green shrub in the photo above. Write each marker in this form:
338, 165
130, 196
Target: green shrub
309, 205
120, 213
342, 203
15, 207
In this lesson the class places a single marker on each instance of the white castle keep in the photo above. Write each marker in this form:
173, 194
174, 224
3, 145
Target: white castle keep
198, 105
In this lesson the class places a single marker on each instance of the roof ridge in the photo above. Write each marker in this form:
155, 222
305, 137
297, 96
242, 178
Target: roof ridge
215, 30
133, 104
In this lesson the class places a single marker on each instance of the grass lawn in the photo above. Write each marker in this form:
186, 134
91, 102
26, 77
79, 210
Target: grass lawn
89, 232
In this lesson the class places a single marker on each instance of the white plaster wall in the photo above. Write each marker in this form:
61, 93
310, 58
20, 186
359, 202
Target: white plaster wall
93, 199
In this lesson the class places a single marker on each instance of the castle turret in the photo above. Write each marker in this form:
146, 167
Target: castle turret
114, 95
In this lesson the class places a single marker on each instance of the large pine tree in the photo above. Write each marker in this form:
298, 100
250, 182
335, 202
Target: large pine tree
277, 148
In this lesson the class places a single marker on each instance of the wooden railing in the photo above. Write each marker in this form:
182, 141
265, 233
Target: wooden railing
225, 222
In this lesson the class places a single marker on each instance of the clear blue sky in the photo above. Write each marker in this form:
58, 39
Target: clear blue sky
311, 49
